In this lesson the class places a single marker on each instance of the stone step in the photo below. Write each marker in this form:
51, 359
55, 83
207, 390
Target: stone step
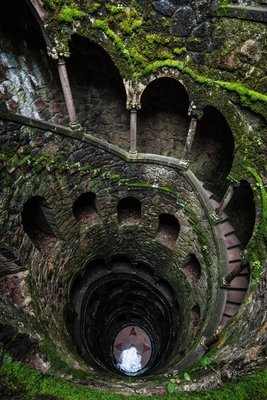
232, 241
231, 308
237, 290
224, 321
209, 193
227, 228
240, 282
234, 254
214, 203
236, 296
232, 265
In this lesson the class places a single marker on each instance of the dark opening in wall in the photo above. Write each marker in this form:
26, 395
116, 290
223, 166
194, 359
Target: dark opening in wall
168, 229
129, 211
29, 82
98, 91
84, 208
9, 263
194, 318
163, 122
192, 268
212, 151
242, 212
36, 223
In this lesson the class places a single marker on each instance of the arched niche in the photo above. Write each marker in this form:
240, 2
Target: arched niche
194, 319
85, 209
192, 269
37, 224
29, 82
213, 150
168, 229
242, 212
163, 121
129, 211
98, 92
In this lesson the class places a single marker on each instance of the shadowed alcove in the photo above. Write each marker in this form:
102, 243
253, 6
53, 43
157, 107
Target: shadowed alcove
98, 92
163, 121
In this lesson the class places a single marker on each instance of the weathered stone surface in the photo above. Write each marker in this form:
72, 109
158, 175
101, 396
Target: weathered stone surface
250, 51
183, 21
165, 7
201, 30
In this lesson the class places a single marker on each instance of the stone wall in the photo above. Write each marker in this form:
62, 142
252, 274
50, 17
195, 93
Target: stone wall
29, 82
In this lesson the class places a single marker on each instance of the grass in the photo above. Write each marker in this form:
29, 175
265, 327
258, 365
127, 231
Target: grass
18, 379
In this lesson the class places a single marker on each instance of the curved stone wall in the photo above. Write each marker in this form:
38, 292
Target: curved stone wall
150, 206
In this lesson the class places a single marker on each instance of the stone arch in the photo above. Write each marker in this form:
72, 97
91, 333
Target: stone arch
39, 13
163, 121
37, 224
242, 211
85, 208
129, 210
168, 229
212, 151
98, 92
192, 268
29, 82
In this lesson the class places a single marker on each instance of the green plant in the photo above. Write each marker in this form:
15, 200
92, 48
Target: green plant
69, 13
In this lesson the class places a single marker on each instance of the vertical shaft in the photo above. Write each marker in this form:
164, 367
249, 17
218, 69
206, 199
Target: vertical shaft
64, 79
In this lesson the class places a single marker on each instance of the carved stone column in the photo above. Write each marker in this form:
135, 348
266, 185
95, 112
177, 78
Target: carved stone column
133, 130
190, 136
64, 79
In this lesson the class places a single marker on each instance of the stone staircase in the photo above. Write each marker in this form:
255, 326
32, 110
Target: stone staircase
237, 288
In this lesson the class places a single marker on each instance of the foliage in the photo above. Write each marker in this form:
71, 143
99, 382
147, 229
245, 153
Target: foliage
256, 251
171, 388
179, 50
52, 4
69, 13
18, 379
187, 377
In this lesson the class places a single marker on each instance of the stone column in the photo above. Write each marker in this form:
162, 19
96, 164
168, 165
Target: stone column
225, 201
133, 130
64, 79
190, 136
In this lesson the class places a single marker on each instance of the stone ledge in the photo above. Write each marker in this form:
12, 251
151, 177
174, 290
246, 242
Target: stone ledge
99, 143
257, 14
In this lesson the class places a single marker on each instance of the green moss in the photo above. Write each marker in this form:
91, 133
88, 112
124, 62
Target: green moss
69, 13
178, 51
129, 25
256, 252
112, 9
165, 55
92, 8
103, 25
114, 177
18, 379
202, 237
52, 4
241, 90
157, 38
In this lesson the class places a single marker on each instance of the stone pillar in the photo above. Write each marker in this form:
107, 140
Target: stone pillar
64, 79
225, 201
190, 136
133, 130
